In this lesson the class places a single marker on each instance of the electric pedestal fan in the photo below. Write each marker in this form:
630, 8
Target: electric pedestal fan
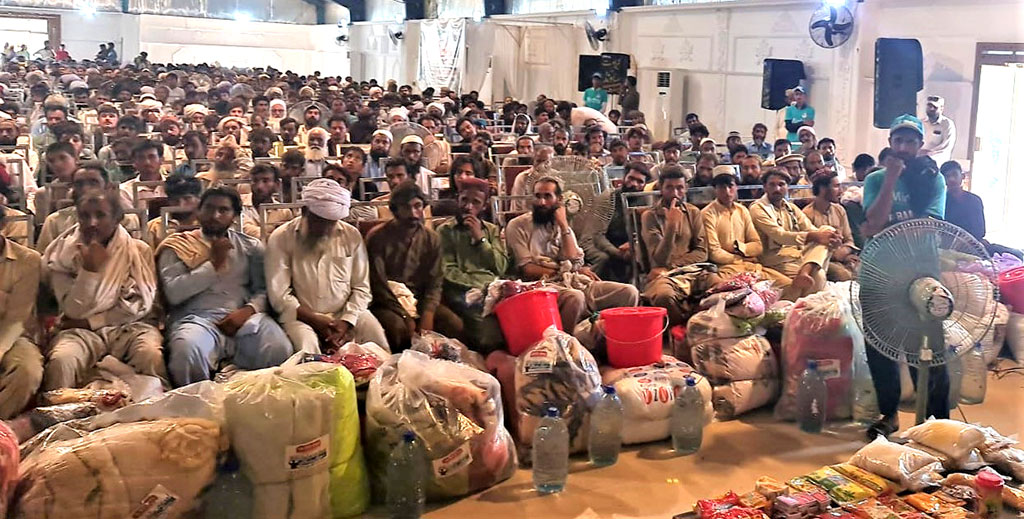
925, 294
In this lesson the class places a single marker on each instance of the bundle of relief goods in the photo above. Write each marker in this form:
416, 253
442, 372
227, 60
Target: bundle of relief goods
9, 458
820, 327
958, 441
438, 346
648, 394
126, 470
741, 366
909, 467
63, 405
556, 371
361, 360
1002, 452
295, 430
454, 410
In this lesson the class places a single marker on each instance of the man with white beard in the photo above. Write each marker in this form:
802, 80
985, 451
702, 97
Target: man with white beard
316, 153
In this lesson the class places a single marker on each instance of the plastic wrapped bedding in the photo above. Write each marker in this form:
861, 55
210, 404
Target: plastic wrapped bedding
295, 431
556, 371
820, 327
912, 468
454, 409
715, 323
648, 394
125, 470
741, 358
741, 396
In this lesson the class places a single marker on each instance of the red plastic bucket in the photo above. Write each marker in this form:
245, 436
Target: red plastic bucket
634, 334
524, 317
1011, 289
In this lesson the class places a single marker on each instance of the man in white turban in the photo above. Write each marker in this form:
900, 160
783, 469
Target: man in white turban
318, 274
195, 114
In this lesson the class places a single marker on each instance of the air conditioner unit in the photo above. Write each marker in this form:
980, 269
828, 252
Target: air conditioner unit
665, 111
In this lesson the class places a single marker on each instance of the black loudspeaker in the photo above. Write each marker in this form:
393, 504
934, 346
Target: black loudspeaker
617, 5
415, 9
779, 75
899, 76
588, 66
356, 9
493, 7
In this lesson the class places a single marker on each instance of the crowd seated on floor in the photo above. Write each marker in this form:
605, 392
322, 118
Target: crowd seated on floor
187, 218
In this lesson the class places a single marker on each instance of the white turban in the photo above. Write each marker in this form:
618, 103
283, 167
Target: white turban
327, 199
193, 109
150, 104
278, 102
400, 112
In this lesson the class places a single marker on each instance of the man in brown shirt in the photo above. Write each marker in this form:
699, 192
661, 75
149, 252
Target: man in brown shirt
825, 210
673, 234
405, 260
21, 363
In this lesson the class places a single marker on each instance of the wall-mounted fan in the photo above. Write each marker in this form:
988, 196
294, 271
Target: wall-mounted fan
342, 38
395, 33
595, 36
831, 25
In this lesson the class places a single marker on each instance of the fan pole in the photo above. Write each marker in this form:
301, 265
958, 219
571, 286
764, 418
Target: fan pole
923, 372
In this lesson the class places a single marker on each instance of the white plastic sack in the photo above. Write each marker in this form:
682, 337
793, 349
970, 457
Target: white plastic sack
557, 371
951, 437
648, 395
455, 411
912, 468
735, 398
742, 358
715, 323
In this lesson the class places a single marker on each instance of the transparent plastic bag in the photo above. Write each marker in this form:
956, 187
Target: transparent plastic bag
951, 437
819, 327
556, 371
295, 430
440, 347
455, 411
1007, 459
125, 470
912, 468
715, 323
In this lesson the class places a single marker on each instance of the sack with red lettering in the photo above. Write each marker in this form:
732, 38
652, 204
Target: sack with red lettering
648, 393
455, 412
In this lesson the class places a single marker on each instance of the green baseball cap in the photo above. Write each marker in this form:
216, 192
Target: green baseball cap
907, 121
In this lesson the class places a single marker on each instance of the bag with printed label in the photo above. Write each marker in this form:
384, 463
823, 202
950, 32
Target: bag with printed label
556, 371
295, 430
820, 327
454, 410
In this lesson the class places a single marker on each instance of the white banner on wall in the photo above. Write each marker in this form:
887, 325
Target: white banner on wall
442, 52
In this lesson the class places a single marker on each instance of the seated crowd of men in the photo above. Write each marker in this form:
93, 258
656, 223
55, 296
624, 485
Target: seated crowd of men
256, 243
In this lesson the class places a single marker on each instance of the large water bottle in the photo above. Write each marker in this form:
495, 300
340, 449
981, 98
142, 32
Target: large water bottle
687, 420
975, 377
812, 399
955, 368
230, 495
605, 439
550, 453
407, 471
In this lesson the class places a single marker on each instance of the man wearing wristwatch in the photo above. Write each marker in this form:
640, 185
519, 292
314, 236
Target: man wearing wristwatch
472, 256
544, 247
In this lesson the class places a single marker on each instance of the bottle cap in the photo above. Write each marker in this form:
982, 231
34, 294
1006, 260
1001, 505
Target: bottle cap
552, 412
408, 436
609, 390
812, 364
690, 381
988, 479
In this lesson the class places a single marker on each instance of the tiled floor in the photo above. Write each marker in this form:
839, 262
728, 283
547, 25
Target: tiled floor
649, 482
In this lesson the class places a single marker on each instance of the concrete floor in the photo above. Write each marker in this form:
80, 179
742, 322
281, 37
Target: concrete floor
650, 482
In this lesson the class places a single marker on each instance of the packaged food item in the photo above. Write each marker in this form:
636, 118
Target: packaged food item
929, 503
912, 468
901, 507
839, 487
770, 487
958, 495
800, 504
1013, 498
989, 485
956, 513
995, 441
706, 507
1009, 460
837, 513
954, 438
873, 509
755, 500
877, 484
802, 484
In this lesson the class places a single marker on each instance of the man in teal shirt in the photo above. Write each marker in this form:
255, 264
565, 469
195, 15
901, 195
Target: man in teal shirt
909, 187
798, 114
595, 97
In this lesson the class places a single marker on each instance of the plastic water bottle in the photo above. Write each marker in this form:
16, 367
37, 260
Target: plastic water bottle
955, 368
230, 495
812, 399
687, 420
550, 453
406, 475
975, 377
605, 439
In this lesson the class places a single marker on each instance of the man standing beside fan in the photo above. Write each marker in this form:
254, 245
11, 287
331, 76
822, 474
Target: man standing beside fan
908, 187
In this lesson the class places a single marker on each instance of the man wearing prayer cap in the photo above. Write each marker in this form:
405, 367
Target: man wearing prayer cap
939, 131
380, 146
405, 272
213, 281
318, 274
472, 256
412, 152
808, 139
793, 165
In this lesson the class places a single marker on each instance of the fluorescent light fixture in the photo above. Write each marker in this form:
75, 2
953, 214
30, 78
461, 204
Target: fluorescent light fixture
242, 16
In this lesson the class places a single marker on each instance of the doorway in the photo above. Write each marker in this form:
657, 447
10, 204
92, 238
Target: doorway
997, 136
20, 29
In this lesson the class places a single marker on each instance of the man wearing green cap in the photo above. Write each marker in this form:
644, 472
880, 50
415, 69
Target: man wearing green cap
908, 187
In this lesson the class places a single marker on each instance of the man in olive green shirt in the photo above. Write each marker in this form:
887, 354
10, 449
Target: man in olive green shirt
472, 256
